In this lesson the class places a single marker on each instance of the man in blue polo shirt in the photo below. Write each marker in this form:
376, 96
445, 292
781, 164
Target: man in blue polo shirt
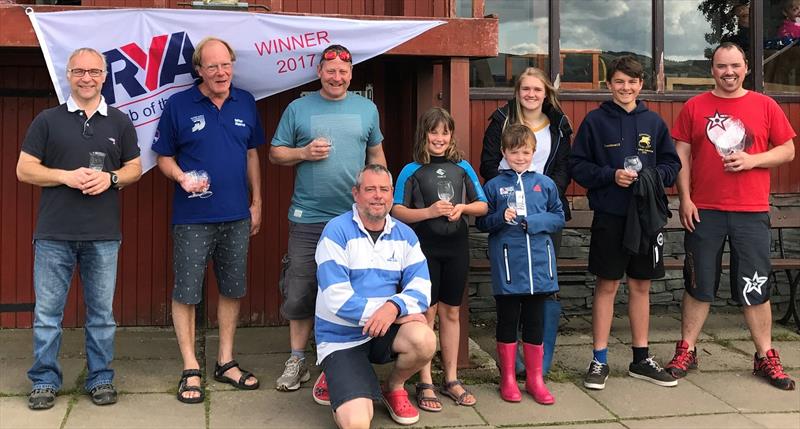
215, 128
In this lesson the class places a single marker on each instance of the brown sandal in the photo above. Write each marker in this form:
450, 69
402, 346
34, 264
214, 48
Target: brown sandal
444, 389
420, 398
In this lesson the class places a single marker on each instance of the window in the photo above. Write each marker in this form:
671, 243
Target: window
689, 40
782, 46
595, 32
523, 42
676, 36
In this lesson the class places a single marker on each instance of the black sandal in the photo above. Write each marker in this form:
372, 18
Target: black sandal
444, 389
219, 370
184, 387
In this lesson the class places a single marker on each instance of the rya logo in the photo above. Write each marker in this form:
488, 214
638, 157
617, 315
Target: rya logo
167, 57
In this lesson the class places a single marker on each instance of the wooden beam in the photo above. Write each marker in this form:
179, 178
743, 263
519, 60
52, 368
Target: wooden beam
463, 37
456, 90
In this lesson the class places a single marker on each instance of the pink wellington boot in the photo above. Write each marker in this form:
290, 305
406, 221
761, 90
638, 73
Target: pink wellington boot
534, 382
506, 356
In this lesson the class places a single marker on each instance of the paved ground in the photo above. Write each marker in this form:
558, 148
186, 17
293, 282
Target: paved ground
723, 395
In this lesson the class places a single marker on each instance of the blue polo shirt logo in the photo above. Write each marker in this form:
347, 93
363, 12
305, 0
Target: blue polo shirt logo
199, 122
238, 122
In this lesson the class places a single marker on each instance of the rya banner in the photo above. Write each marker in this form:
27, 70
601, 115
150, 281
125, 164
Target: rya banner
149, 52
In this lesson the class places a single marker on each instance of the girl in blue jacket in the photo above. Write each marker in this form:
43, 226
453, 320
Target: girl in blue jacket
524, 210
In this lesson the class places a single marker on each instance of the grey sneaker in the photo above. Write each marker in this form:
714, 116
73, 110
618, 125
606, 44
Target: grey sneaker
294, 373
41, 399
596, 375
650, 370
104, 394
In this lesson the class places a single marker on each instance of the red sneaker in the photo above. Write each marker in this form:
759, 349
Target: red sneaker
400, 407
770, 368
683, 361
320, 391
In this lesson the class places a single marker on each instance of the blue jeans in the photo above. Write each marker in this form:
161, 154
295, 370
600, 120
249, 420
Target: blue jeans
53, 265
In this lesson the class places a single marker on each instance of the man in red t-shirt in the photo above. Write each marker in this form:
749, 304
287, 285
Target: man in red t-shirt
727, 140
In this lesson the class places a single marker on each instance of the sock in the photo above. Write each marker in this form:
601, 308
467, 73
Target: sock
601, 355
299, 353
640, 353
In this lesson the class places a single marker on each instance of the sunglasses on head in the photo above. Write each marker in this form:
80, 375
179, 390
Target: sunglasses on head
332, 54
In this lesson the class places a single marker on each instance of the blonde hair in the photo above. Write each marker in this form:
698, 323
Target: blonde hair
427, 123
551, 93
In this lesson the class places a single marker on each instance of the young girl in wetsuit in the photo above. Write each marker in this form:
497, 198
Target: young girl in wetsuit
433, 195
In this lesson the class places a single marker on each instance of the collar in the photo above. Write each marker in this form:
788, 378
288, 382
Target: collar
387, 226
504, 166
102, 108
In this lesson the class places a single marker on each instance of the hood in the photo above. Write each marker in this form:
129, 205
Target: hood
614, 109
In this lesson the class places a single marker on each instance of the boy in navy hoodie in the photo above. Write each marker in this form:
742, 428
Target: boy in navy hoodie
620, 128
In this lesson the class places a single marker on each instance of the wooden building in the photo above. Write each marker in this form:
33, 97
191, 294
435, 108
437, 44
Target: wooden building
432, 69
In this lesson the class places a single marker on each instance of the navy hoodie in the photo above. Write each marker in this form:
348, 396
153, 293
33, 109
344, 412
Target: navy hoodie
606, 136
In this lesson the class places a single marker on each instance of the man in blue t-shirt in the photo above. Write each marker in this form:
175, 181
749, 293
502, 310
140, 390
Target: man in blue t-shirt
329, 135
215, 128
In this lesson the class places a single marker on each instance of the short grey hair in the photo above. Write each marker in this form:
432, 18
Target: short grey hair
375, 168
87, 51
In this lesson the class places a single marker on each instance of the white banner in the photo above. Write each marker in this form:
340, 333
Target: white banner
149, 52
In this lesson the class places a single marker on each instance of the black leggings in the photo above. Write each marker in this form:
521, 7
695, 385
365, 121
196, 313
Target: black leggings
513, 309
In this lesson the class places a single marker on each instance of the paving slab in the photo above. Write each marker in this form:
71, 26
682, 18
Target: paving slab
153, 410
14, 374
611, 425
147, 375
266, 367
577, 358
267, 408
14, 414
726, 326
254, 341
777, 420
577, 331
787, 332
627, 397
18, 343
716, 357
146, 343
663, 329
788, 350
451, 415
727, 421
572, 405
746, 392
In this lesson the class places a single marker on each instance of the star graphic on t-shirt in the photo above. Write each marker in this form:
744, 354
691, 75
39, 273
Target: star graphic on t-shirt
717, 120
753, 284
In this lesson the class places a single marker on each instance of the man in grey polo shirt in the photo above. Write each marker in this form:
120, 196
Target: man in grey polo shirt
328, 136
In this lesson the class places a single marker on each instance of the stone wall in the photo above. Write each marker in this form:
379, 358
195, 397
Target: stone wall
577, 288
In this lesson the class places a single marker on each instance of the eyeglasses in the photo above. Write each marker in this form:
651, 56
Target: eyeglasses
332, 54
213, 68
82, 72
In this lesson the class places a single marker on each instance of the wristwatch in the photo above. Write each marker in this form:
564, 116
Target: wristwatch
114, 179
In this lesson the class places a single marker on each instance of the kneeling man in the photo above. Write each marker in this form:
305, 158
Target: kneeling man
374, 288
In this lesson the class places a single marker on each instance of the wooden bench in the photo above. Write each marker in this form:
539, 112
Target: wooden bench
780, 219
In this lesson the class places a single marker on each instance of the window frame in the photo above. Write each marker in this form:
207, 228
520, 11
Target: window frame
659, 94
